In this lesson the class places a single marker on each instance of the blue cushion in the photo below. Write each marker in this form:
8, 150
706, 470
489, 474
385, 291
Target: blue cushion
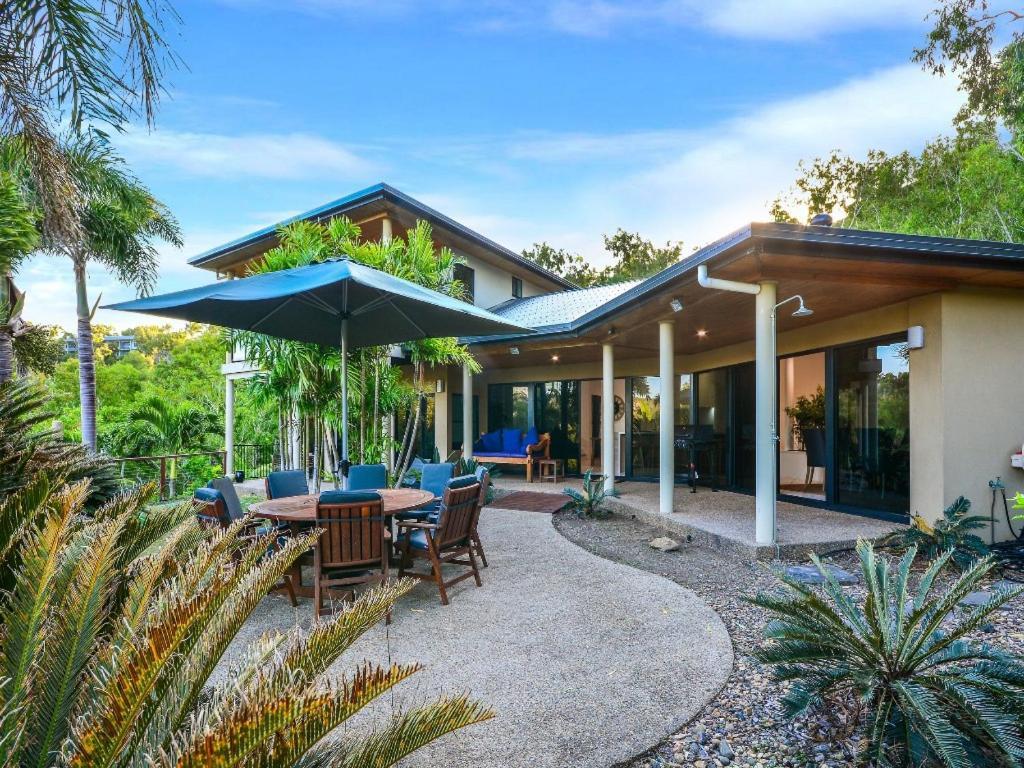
480, 472
209, 494
347, 497
530, 438
290, 482
363, 476
501, 454
435, 477
462, 481
491, 441
511, 440
417, 538
418, 514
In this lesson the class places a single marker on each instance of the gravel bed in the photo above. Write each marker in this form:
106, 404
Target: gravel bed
744, 725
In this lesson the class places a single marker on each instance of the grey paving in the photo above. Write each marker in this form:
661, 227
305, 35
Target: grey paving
586, 661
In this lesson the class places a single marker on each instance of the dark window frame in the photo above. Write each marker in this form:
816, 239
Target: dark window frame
517, 287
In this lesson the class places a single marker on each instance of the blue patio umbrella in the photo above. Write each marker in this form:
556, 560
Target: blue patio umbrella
333, 303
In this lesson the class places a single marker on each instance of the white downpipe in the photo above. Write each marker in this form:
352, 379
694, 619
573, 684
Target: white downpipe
608, 415
467, 412
725, 285
766, 373
666, 417
764, 397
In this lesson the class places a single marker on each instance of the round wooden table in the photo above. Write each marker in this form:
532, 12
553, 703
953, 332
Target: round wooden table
302, 509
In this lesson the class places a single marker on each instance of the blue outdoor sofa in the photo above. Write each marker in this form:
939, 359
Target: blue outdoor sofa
512, 446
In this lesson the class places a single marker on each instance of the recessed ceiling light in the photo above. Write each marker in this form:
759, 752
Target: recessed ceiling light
554, 358
701, 333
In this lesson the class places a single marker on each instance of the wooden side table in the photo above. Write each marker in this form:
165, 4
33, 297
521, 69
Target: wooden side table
551, 470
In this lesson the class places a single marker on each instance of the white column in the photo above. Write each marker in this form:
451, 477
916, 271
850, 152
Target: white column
467, 413
385, 230
608, 415
229, 427
766, 414
666, 417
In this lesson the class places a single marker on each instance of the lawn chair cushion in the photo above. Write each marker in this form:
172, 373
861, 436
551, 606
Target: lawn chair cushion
435, 477
231, 500
367, 476
420, 515
491, 441
511, 440
530, 438
348, 497
417, 539
462, 481
210, 496
500, 455
291, 482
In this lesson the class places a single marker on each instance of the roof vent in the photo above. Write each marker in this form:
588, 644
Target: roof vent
821, 220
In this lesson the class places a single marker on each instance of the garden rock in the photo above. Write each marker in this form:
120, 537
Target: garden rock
664, 544
809, 574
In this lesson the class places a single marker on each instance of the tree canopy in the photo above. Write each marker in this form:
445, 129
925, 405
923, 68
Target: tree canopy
633, 258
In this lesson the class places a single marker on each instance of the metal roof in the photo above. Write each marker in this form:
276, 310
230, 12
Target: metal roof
388, 193
837, 241
552, 309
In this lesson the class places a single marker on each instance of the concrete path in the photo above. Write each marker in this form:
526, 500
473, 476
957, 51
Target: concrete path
587, 662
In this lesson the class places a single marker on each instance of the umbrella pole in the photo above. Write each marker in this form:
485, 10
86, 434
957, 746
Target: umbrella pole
344, 403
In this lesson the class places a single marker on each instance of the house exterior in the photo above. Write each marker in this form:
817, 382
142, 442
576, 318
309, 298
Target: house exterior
899, 393
120, 343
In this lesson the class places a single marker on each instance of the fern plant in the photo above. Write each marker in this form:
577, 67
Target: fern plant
950, 534
930, 692
117, 620
587, 503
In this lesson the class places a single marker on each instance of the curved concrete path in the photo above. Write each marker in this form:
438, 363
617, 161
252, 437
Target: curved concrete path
587, 662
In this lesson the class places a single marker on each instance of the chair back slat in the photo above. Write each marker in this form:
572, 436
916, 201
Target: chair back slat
456, 515
353, 533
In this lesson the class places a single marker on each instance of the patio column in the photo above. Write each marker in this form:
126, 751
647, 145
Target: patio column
467, 412
229, 427
385, 230
766, 415
608, 415
666, 417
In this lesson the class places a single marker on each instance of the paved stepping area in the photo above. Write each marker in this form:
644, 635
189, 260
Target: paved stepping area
586, 661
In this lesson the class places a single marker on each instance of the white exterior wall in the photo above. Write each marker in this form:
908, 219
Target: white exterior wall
493, 285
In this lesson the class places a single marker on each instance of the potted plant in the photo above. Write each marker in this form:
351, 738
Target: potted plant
807, 413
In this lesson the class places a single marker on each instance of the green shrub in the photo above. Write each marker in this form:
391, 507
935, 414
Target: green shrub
928, 692
588, 502
950, 534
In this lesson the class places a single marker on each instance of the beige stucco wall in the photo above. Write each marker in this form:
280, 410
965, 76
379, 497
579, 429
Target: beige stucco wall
493, 285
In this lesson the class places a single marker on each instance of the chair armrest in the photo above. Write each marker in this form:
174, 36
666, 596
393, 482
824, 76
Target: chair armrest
415, 524
208, 518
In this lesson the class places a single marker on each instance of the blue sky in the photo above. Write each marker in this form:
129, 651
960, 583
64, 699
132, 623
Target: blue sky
531, 120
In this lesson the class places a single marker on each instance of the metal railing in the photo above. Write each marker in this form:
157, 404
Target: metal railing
176, 475
254, 460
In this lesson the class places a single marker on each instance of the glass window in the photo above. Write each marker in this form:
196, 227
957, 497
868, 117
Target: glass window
457, 419
467, 277
712, 435
872, 433
558, 414
646, 391
517, 288
508, 405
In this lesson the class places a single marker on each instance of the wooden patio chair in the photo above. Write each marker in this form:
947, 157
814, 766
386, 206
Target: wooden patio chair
352, 549
447, 540
218, 505
483, 476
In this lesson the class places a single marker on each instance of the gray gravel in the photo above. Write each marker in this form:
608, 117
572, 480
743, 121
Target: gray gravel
587, 662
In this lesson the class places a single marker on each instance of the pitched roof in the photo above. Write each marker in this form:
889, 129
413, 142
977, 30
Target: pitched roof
551, 310
386, 193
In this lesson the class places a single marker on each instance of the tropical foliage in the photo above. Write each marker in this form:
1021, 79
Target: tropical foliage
112, 624
928, 691
303, 380
587, 502
952, 533
632, 257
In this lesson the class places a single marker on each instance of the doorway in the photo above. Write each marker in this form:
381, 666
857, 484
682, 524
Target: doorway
801, 426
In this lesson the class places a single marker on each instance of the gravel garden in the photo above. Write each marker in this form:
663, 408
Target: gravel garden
746, 723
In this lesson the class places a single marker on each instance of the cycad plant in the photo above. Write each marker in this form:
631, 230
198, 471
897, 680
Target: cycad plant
931, 693
952, 533
116, 621
588, 502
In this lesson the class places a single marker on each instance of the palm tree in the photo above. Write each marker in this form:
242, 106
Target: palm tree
156, 426
120, 219
88, 62
18, 238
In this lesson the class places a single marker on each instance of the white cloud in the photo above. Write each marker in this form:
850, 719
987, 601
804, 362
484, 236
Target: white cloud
272, 156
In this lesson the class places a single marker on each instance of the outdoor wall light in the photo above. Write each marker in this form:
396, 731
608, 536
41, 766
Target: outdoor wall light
701, 333
513, 350
554, 358
801, 311
676, 304
915, 337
